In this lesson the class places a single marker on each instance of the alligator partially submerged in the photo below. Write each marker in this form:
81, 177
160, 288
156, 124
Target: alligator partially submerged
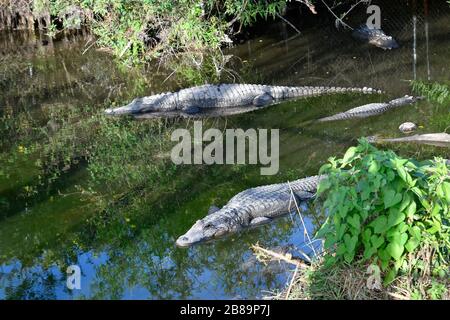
375, 37
250, 208
372, 109
202, 99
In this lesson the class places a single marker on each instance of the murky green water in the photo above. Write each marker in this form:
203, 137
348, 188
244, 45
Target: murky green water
77, 188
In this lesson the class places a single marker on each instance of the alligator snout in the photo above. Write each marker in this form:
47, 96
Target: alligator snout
183, 242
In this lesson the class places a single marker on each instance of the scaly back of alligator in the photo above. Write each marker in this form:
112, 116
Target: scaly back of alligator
250, 208
194, 100
371, 109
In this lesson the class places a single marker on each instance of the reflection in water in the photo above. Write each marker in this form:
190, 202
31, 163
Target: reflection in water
127, 250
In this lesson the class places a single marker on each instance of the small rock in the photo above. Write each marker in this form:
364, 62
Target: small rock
407, 127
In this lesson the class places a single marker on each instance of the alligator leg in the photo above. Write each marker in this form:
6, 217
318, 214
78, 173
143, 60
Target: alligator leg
259, 221
303, 195
191, 110
262, 100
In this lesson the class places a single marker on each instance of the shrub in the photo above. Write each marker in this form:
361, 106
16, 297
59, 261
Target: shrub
138, 30
390, 212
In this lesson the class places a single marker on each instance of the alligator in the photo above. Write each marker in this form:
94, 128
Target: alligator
248, 97
434, 139
372, 109
250, 208
375, 37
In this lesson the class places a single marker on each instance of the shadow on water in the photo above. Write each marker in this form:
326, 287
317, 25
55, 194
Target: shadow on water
124, 244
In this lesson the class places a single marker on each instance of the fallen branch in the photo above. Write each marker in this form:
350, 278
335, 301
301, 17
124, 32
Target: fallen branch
278, 256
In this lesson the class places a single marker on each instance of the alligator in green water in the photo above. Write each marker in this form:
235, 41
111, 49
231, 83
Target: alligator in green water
250, 208
372, 109
223, 99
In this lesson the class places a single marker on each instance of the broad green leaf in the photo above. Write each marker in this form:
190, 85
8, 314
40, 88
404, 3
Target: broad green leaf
348, 256
349, 155
391, 198
390, 276
369, 252
415, 232
446, 189
411, 210
376, 241
367, 234
379, 224
395, 249
395, 217
354, 221
341, 249
405, 202
435, 228
436, 209
324, 185
373, 167
412, 244
350, 242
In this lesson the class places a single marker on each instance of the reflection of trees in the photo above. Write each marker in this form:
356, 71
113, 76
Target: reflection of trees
152, 262
146, 255
33, 283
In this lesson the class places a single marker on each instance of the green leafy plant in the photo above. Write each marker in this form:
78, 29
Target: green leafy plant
135, 31
387, 210
435, 92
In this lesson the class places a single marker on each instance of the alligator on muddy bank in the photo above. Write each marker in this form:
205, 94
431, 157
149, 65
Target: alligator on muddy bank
223, 99
250, 208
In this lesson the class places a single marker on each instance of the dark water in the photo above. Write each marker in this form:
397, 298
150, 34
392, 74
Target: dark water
128, 251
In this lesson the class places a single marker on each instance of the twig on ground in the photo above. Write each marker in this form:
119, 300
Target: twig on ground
279, 256
294, 277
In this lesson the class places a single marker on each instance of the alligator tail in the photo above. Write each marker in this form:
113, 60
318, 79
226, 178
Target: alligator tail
280, 92
363, 90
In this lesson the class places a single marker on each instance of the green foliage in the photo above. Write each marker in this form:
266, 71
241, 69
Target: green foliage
387, 210
435, 92
139, 30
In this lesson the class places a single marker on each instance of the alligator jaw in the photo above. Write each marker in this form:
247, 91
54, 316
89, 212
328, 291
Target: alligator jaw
196, 234
136, 106
128, 109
